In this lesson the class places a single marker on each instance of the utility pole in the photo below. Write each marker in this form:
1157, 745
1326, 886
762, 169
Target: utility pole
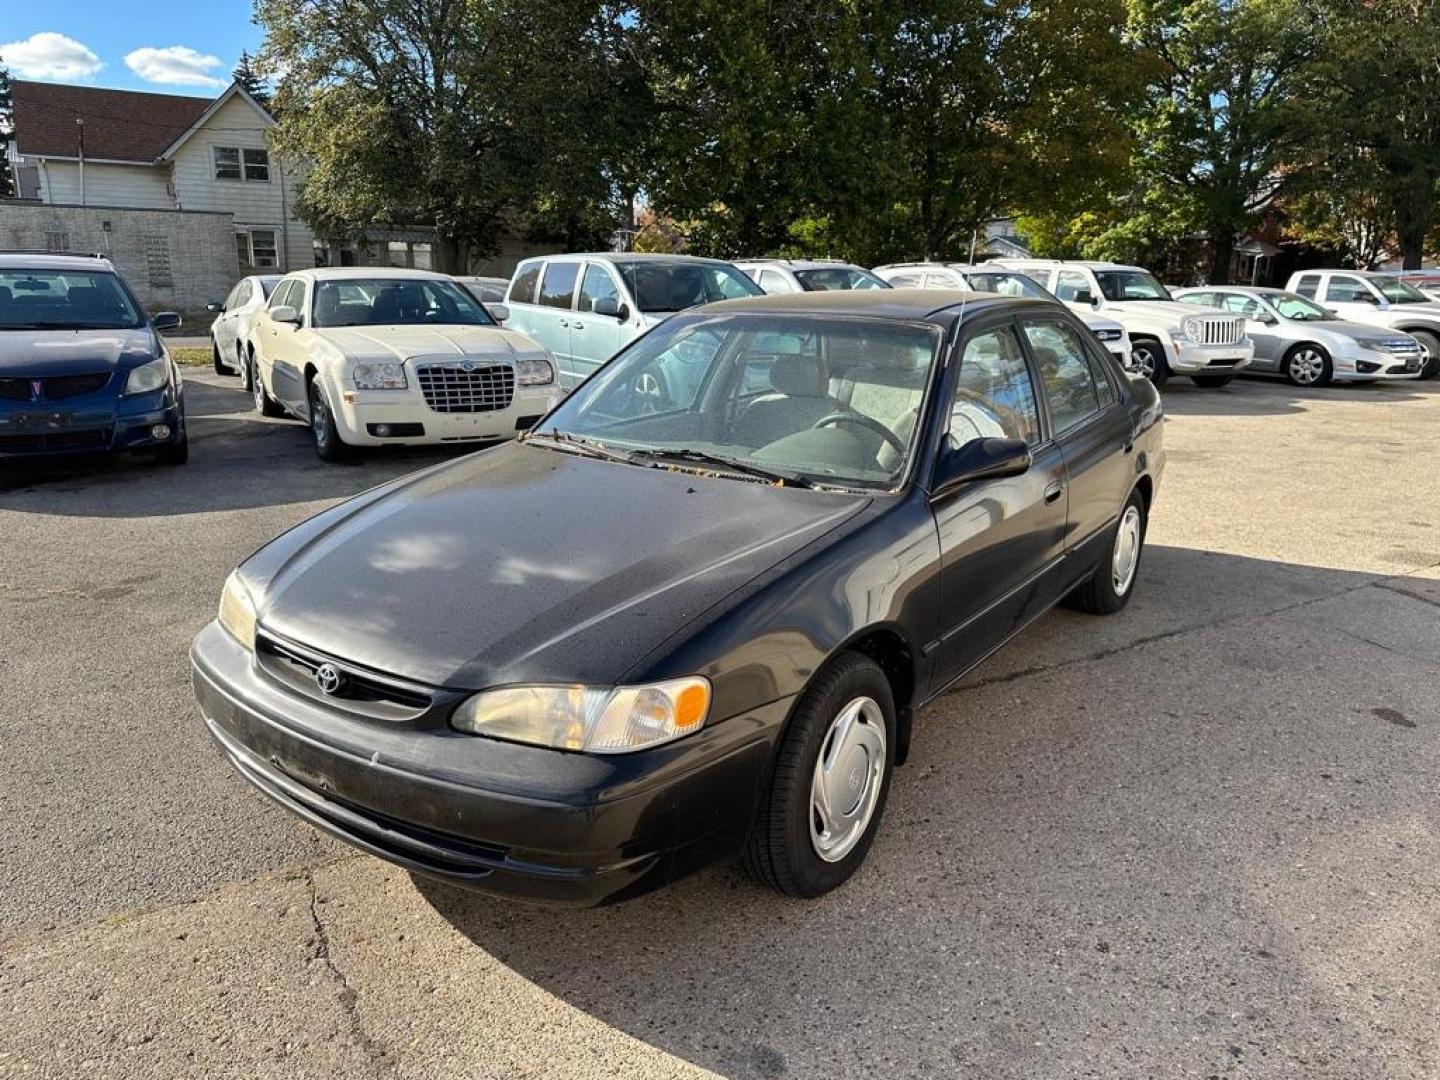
80, 136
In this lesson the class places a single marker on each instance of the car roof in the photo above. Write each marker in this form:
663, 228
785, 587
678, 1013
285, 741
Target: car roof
352, 273
24, 260
478, 279
941, 306
801, 264
623, 257
1088, 264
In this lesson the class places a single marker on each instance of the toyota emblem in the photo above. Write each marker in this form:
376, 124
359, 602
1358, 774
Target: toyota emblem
329, 678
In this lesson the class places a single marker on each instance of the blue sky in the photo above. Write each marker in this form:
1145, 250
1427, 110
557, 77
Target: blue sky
170, 46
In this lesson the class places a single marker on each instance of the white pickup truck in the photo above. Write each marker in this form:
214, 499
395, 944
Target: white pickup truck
1166, 337
1379, 300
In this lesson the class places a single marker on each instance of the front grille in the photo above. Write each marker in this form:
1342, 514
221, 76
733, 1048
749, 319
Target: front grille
449, 388
362, 692
55, 388
1214, 329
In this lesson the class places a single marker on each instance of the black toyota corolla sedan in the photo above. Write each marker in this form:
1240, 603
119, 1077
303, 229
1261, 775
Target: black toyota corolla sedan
692, 614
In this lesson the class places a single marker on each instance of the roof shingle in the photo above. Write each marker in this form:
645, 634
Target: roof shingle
120, 125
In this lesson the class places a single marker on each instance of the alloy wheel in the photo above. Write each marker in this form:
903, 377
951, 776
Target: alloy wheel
257, 387
848, 778
1144, 361
319, 418
1306, 366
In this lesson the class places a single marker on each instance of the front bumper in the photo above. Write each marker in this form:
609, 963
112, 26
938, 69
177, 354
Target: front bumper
1373, 365
520, 821
91, 424
1187, 358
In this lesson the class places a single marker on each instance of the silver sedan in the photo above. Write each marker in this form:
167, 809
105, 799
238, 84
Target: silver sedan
1308, 344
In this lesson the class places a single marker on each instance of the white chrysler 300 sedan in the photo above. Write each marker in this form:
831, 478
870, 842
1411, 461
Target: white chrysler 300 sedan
371, 356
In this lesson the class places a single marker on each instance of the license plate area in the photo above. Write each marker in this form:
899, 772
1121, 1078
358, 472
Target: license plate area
42, 421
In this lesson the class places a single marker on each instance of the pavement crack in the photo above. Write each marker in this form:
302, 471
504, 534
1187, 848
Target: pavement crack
380, 1063
1407, 592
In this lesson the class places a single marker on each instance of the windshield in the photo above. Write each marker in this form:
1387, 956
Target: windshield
1011, 284
674, 286
396, 302
835, 278
65, 300
1399, 292
821, 400
1298, 309
1130, 285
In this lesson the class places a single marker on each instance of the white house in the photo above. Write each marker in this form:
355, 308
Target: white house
82, 146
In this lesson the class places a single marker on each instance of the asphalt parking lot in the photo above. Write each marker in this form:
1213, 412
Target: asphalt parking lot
1201, 838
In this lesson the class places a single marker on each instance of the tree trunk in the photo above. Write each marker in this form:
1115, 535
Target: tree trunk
1413, 206
1222, 249
447, 255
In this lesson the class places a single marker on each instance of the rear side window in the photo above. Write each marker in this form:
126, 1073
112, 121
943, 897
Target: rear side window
772, 282
522, 289
1065, 372
905, 281
1308, 286
558, 286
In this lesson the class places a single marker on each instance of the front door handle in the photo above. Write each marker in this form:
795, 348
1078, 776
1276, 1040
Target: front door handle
577, 326
1054, 490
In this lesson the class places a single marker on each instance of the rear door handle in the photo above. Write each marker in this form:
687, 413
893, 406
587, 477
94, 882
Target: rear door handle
1053, 491
1130, 446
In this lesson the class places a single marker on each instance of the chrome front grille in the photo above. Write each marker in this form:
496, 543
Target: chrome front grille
1214, 329
451, 388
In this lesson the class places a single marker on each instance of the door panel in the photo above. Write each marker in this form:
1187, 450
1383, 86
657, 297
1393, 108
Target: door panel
1002, 540
554, 314
1266, 338
286, 385
594, 338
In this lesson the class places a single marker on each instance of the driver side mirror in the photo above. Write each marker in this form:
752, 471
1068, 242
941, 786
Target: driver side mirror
1266, 318
1084, 296
215, 305
979, 459
166, 320
285, 314
609, 305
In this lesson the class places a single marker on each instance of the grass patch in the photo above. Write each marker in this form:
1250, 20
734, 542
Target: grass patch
191, 356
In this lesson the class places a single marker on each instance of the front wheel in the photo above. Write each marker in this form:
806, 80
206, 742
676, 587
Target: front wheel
827, 791
220, 368
1307, 365
1431, 344
1150, 361
265, 405
1109, 589
1212, 382
329, 446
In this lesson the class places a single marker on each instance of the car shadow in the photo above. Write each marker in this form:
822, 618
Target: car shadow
246, 461
1256, 395
1080, 873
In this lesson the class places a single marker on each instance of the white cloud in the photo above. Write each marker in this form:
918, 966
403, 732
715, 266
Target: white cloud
177, 65
49, 55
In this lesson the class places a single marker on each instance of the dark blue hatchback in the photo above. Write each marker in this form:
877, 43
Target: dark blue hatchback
81, 366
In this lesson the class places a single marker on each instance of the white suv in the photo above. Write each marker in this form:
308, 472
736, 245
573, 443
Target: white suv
1379, 300
1166, 337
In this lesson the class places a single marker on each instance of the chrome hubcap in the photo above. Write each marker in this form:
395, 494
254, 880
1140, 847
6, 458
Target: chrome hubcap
848, 775
1306, 366
1127, 551
1144, 361
256, 386
317, 416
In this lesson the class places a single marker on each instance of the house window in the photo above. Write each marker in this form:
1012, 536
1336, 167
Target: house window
57, 241
262, 248
398, 253
257, 165
157, 261
420, 253
227, 163
242, 250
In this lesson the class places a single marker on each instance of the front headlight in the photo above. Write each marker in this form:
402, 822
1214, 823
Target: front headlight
379, 377
602, 720
534, 371
237, 610
149, 376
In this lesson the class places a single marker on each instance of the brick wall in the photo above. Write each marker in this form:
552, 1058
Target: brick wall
174, 260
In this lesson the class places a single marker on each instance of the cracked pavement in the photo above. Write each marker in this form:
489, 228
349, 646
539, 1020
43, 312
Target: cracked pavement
1196, 839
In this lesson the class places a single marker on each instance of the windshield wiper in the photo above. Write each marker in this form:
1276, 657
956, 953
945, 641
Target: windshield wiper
720, 462
576, 444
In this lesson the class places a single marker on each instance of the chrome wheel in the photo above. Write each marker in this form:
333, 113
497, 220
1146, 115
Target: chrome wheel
1127, 551
257, 388
1144, 362
319, 418
849, 775
1306, 366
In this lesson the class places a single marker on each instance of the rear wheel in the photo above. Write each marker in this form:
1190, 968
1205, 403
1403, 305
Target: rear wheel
1212, 382
265, 405
329, 446
1109, 589
1307, 364
1431, 344
1150, 361
832, 773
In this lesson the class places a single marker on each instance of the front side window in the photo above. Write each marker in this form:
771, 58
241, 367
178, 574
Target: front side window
813, 399
597, 284
1065, 373
1120, 285
1298, 309
396, 302
257, 164
1069, 285
65, 300
905, 281
227, 163
830, 279
660, 286
558, 287
283, 294
522, 289
1240, 304
1347, 290
994, 394
773, 282
942, 279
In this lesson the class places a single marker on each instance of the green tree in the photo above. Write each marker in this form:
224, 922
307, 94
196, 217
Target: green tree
458, 114
1378, 81
7, 131
1344, 206
251, 80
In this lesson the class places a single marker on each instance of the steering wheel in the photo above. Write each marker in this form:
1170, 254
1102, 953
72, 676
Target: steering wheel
651, 392
867, 422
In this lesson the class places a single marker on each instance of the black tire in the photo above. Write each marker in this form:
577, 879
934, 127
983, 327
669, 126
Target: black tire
1150, 360
176, 453
1212, 382
243, 366
1431, 344
1300, 365
329, 446
1099, 595
265, 405
780, 851
220, 368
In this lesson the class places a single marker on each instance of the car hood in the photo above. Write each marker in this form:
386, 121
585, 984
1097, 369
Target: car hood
522, 563
47, 353
1166, 312
403, 342
1345, 329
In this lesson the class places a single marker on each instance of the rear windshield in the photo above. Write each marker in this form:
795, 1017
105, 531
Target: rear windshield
666, 286
391, 302
835, 278
66, 300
